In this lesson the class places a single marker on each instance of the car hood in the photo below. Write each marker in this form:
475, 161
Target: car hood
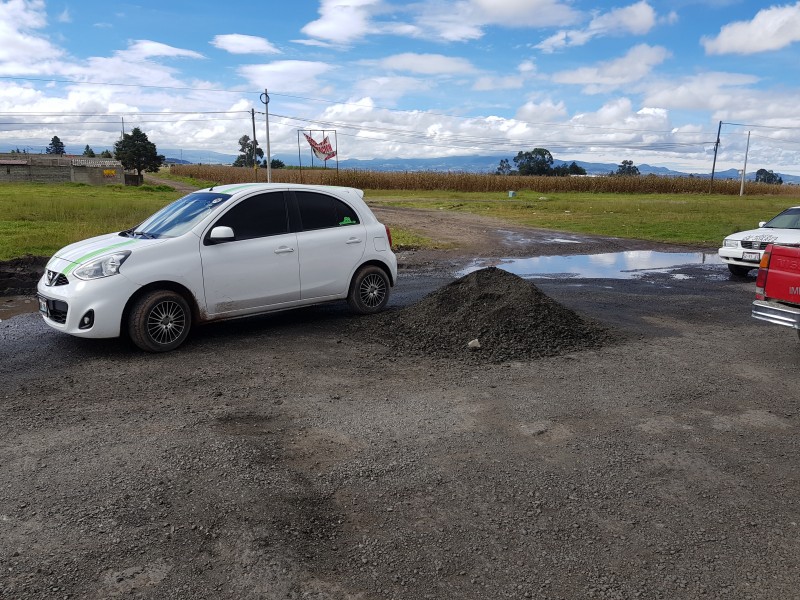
71, 256
768, 234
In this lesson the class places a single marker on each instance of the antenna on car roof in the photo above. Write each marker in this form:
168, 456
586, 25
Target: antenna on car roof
211, 189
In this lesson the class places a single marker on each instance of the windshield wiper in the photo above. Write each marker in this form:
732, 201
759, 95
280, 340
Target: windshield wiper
145, 235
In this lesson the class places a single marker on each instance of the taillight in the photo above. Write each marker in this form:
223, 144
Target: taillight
763, 268
388, 235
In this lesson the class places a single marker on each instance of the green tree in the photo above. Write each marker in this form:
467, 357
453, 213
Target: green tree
245, 158
56, 146
277, 163
538, 161
106, 154
764, 176
137, 153
88, 152
627, 169
504, 168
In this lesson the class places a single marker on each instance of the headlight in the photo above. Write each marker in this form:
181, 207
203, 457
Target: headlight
731, 243
102, 267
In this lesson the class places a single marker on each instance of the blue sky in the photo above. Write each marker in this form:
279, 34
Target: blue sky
647, 81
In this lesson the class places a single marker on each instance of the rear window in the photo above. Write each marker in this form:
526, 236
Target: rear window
320, 211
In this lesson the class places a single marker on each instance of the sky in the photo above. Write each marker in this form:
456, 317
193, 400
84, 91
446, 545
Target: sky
648, 81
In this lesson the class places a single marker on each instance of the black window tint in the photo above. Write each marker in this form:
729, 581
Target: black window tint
258, 216
344, 214
318, 211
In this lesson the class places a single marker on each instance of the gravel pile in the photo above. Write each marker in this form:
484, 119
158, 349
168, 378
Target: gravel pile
510, 318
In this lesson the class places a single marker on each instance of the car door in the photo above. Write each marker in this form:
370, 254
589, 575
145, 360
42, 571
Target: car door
258, 268
331, 241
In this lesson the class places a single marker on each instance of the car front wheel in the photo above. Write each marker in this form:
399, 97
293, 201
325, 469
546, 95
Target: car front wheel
159, 321
369, 290
738, 271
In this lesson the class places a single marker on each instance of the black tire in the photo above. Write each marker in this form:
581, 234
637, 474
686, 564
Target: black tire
159, 321
369, 290
738, 271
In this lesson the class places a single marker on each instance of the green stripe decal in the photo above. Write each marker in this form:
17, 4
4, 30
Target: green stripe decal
86, 257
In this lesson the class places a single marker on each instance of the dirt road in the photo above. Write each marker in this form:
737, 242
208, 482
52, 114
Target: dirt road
302, 455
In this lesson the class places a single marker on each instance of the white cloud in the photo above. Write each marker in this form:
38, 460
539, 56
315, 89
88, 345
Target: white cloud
636, 19
22, 49
342, 21
464, 20
144, 49
295, 75
771, 29
64, 16
427, 64
635, 65
237, 43
541, 112
704, 91
488, 83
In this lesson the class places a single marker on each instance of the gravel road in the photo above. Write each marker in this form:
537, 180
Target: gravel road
305, 455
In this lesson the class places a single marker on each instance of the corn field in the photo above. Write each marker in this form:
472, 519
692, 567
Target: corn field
478, 182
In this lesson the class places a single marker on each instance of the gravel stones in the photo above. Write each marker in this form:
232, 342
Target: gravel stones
509, 317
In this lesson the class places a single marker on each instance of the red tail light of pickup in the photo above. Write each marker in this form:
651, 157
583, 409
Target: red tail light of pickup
763, 269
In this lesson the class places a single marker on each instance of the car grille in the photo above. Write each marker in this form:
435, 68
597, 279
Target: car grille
57, 311
54, 278
755, 245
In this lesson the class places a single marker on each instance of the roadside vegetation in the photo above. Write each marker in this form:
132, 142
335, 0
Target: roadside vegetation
38, 219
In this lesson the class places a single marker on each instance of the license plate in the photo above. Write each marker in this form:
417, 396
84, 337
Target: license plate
751, 256
42, 305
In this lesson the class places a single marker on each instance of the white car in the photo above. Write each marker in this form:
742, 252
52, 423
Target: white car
223, 252
742, 251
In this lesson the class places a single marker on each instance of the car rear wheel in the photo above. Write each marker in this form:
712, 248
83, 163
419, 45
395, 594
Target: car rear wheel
159, 321
369, 290
738, 271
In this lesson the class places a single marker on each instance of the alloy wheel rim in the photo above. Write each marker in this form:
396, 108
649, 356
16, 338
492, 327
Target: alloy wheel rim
166, 322
373, 290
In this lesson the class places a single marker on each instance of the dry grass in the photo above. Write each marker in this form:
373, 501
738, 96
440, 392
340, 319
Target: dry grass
479, 182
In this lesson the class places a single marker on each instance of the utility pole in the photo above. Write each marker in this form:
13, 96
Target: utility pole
265, 100
714, 166
744, 170
255, 144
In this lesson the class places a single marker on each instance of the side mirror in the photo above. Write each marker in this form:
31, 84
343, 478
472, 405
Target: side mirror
221, 234
762, 223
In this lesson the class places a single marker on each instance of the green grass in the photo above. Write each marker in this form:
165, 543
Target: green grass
39, 218
700, 220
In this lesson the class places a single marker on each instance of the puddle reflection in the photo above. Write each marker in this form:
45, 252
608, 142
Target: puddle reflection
614, 265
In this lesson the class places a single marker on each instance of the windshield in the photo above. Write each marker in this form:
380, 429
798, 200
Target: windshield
179, 217
788, 219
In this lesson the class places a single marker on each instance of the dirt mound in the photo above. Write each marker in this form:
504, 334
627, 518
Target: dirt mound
20, 275
509, 316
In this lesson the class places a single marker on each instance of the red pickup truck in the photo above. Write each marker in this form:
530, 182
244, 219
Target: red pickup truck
778, 287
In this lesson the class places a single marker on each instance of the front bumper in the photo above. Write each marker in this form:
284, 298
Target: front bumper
741, 257
104, 298
778, 314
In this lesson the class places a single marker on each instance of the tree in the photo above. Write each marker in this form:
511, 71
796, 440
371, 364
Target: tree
137, 153
538, 161
106, 154
88, 152
627, 169
764, 176
504, 168
277, 163
245, 158
56, 146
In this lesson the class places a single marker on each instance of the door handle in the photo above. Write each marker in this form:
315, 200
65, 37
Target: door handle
283, 250
353, 241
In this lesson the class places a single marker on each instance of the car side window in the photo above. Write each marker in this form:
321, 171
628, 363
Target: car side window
320, 211
258, 216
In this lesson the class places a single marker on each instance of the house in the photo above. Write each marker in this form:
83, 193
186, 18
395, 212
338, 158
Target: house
50, 168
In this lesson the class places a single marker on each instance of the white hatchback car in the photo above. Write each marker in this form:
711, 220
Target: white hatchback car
742, 251
224, 252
